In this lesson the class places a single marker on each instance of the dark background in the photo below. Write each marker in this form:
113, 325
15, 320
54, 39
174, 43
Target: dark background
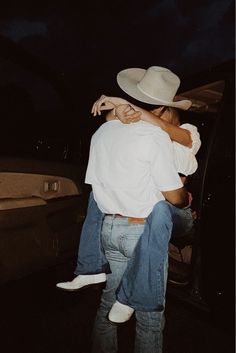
87, 43
57, 57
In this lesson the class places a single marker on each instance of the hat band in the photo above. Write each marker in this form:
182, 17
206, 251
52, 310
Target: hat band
149, 95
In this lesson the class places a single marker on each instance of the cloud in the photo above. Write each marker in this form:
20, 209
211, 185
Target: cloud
18, 29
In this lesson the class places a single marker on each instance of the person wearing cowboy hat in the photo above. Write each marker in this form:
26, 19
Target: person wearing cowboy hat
144, 88
165, 117
157, 87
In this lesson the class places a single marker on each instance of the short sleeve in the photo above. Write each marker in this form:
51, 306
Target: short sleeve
196, 142
185, 160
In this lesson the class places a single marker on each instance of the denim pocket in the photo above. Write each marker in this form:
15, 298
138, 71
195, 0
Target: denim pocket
129, 240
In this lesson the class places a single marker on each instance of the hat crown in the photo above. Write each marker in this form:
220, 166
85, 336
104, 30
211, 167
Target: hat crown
159, 83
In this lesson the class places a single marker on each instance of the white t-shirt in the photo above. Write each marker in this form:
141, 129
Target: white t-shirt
129, 165
184, 157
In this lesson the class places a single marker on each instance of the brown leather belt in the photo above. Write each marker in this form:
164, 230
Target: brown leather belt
131, 220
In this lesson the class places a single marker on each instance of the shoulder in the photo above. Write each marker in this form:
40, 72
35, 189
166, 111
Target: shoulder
150, 129
190, 127
107, 126
196, 142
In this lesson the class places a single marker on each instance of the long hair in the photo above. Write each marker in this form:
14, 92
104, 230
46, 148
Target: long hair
175, 116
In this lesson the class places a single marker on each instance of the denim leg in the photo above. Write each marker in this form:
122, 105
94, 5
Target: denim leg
150, 326
144, 281
91, 258
119, 240
182, 221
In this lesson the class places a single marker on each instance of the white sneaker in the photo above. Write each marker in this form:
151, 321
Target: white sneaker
82, 281
120, 313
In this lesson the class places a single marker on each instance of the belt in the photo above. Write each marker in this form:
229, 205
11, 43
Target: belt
131, 220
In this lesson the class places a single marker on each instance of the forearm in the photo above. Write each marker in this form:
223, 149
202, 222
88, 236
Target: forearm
176, 133
182, 136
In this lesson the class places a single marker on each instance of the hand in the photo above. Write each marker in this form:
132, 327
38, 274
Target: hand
106, 103
126, 114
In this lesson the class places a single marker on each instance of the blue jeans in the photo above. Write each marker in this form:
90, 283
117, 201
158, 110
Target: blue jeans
91, 258
143, 283
119, 239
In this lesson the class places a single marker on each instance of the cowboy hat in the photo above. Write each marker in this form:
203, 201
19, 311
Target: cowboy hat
156, 85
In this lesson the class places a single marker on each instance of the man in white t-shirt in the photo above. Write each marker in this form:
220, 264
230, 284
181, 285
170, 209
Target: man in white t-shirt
131, 168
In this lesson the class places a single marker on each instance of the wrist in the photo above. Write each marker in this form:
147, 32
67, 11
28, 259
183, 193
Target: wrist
110, 116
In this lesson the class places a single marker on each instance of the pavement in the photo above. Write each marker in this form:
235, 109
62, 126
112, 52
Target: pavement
36, 317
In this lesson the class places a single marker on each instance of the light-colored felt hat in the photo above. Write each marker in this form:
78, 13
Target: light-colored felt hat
156, 85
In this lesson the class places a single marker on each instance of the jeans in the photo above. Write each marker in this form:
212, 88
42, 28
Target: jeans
143, 283
119, 240
91, 258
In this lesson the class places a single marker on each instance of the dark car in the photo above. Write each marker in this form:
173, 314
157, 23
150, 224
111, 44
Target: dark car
201, 269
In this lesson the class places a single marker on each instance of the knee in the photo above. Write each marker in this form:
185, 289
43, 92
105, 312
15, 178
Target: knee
162, 208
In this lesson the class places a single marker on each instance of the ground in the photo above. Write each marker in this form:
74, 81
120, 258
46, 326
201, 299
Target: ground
38, 318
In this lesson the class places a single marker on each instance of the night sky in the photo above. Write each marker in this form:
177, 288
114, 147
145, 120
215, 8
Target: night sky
111, 35
87, 43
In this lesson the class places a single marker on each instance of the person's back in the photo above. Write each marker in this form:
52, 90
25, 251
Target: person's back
130, 169
129, 166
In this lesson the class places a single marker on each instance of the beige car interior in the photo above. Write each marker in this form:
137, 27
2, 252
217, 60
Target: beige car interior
27, 190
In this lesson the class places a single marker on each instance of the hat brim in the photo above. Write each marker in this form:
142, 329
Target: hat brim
128, 80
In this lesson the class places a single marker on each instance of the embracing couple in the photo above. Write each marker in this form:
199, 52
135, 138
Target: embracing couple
138, 164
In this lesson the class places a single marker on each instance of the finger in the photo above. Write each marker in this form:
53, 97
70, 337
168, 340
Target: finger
103, 103
94, 107
128, 109
124, 120
104, 107
98, 105
135, 115
93, 110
